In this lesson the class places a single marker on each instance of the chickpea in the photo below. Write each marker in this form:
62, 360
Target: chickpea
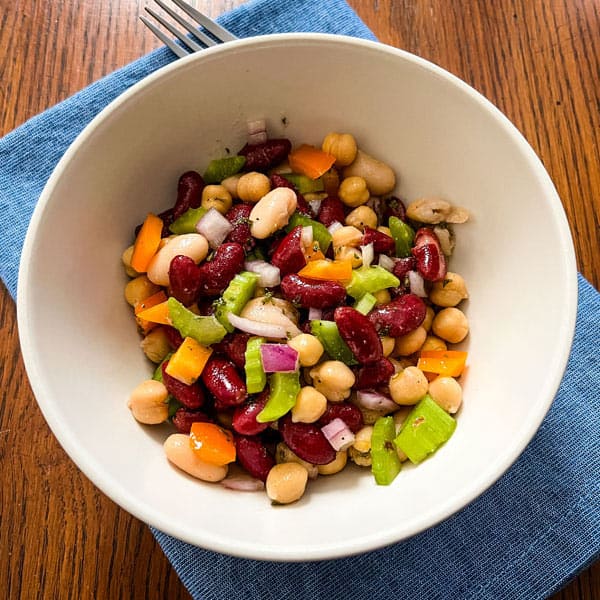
384, 229
156, 345
382, 297
193, 245
286, 482
253, 186
446, 392
449, 291
336, 465
362, 459
408, 386
231, 183
379, 177
342, 146
411, 342
310, 405
428, 320
353, 191
347, 236
272, 212
349, 253
387, 343
451, 324
126, 260
179, 452
139, 289
216, 196
361, 217
283, 454
309, 349
333, 379
433, 343
362, 439
148, 402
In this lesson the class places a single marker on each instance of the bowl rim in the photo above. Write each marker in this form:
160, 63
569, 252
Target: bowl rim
116, 492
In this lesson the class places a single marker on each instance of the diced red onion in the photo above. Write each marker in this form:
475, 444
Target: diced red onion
386, 262
372, 400
334, 226
315, 206
257, 138
279, 358
368, 254
256, 328
338, 434
243, 483
315, 314
417, 284
214, 227
268, 274
256, 126
307, 236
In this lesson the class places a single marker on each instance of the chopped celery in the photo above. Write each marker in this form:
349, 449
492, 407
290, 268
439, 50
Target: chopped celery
206, 330
284, 388
222, 168
370, 280
256, 378
303, 183
385, 463
328, 334
236, 295
186, 223
424, 430
365, 304
320, 233
403, 235
174, 406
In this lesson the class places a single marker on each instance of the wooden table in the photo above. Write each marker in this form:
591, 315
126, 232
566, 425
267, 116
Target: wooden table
537, 60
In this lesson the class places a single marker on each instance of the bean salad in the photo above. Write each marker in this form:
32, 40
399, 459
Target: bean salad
300, 317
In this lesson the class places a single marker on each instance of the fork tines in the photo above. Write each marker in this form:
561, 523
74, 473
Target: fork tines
212, 35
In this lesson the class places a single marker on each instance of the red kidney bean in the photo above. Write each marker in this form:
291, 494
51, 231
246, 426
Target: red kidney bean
288, 255
224, 382
261, 157
307, 441
345, 411
244, 416
254, 456
400, 316
216, 274
431, 262
402, 266
278, 180
359, 333
185, 279
191, 396
189, 193
233, 345
238, 215
331, 209
174, 337
373, 375
167, 218
183, 419
395, 208
382, 243
310, 293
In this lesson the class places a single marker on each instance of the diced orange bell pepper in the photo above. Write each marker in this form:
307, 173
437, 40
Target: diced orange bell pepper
313, 252
324, 269
146, 243
310, 161
212, 443
146, 325
188, 361
159, 313
443, 362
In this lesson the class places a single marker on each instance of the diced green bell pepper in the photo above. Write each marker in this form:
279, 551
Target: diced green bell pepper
370, 280
328, 334
403, 235
320, 233
303, 183
222, 168
186, 223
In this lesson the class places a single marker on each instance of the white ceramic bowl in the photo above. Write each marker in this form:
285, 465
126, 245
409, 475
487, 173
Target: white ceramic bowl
80, 344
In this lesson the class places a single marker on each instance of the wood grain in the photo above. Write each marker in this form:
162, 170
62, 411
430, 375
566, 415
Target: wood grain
537, 60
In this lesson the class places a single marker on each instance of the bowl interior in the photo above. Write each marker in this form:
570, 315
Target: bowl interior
80, 343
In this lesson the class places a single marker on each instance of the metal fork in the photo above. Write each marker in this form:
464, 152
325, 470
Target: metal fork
212, 35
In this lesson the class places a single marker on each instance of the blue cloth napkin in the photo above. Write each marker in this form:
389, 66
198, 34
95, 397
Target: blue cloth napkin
524, 538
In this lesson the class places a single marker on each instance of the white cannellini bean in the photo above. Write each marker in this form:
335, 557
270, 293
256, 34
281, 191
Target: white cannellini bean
272, 212
193, 245
179, 452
